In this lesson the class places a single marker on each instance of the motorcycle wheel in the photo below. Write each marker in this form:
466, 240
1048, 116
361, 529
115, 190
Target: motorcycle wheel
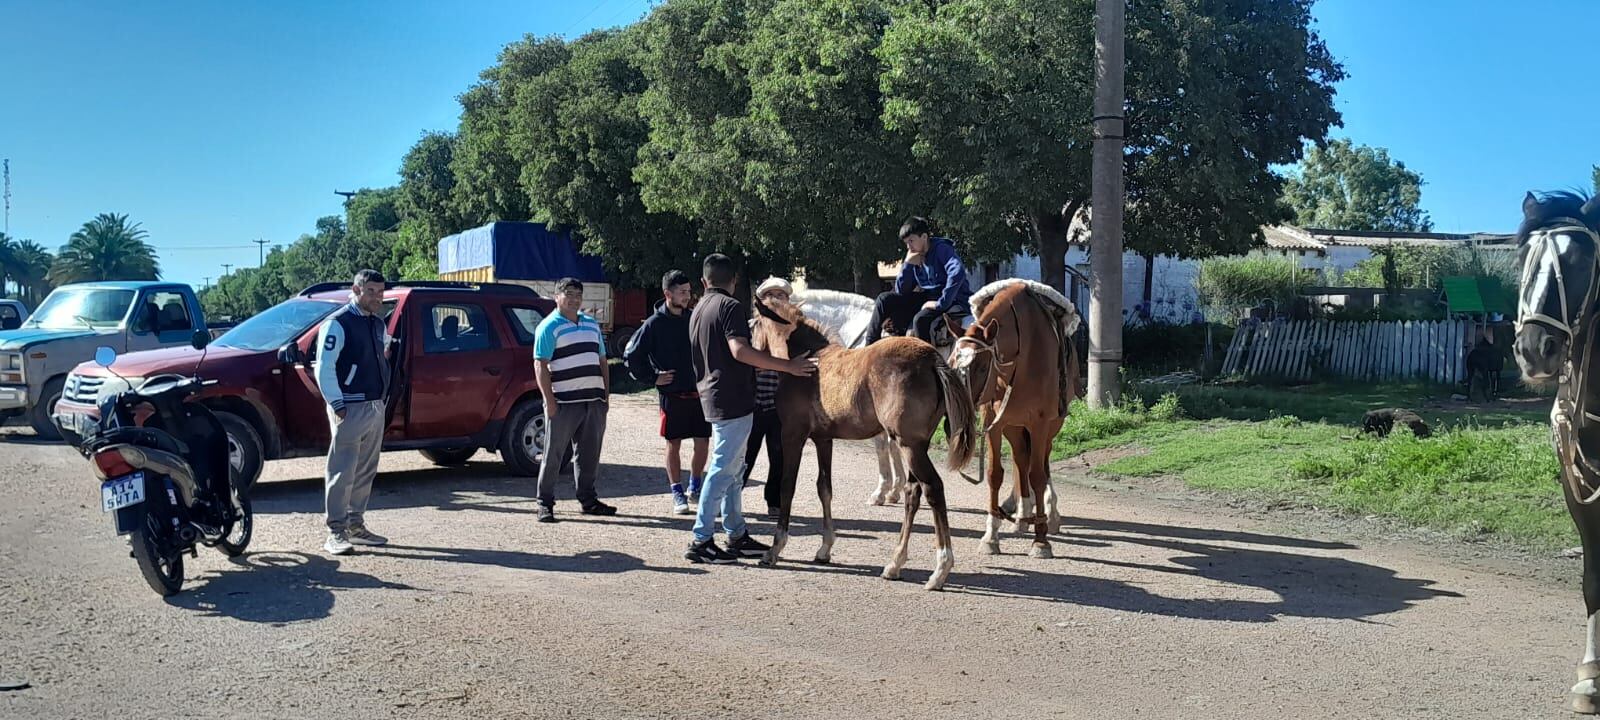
163, 573
237, 538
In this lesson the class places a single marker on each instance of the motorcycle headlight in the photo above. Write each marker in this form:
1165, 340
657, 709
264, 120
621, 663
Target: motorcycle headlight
11, 368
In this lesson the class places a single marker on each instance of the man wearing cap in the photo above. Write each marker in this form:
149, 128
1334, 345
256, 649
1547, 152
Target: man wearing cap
932, 283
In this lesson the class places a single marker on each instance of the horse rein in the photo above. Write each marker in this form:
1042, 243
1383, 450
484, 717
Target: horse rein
1569, 413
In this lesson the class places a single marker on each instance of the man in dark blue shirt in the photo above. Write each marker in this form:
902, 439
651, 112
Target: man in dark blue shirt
658, 353
932, 283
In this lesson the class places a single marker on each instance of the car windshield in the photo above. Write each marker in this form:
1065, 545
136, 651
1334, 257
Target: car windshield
82, 308
278, 326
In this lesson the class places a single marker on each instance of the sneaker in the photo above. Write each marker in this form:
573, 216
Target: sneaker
746, 546
360, 535
599, 508
338, 544
708, 552
680, 502
695, 486
545, 514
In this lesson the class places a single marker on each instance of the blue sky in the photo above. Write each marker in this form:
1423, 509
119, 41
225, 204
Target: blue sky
216, 123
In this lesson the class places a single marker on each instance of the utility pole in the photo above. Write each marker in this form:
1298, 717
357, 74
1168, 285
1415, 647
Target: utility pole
346, 193
226, 268
205, 282
261, 251
1105, 224
8, 196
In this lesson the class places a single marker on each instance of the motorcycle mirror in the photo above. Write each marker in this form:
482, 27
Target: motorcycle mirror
104, 356
200, 339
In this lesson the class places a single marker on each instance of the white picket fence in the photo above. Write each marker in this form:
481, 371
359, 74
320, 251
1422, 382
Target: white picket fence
1423, 350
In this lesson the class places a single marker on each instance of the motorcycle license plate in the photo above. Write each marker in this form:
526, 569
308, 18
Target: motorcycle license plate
122, 492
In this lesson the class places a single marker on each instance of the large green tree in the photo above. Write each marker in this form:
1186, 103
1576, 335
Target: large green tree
109, 247
1344, 186
487, 186
577, 134
998, 95
426, 205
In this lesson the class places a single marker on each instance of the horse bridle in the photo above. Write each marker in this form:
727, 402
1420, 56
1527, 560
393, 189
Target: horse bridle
983, 347
1570, 413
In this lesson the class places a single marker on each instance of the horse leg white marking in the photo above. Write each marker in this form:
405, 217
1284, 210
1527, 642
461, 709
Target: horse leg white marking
898, 479
1050, 501
902, 551
943, 560
991, 537
886, 476
1024, 509
1585, 695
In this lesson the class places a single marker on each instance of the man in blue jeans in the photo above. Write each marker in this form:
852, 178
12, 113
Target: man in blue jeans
724, 369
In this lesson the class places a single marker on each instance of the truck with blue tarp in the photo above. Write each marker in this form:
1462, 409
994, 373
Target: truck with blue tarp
537, 256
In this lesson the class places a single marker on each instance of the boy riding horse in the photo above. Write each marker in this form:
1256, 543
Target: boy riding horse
932, 283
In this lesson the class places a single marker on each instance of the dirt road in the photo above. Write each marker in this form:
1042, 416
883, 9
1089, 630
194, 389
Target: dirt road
1153, 607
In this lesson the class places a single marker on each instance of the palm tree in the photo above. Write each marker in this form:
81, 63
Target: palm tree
31, 271
8, 248
106, 248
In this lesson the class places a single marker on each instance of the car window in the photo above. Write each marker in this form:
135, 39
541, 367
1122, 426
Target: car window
164, 312
457, 327
8, 313
524, 322
385, 313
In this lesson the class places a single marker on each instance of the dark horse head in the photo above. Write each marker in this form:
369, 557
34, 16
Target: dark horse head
1557, 243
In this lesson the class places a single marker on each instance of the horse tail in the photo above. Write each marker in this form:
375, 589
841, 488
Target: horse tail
959, 425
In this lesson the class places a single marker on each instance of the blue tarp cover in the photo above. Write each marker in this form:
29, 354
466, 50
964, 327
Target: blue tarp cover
518, 251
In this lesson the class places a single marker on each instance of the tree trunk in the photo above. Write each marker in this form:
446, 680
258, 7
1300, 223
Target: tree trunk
1052, 228
1149, 276
863, 264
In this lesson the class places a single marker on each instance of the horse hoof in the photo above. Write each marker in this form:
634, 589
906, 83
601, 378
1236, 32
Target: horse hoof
934, 585
875, 500
769, 560
1041, 551
891, 573
990, 548
823, 559
1585, 699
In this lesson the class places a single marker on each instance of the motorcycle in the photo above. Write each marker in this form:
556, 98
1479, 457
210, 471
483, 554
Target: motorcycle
163, 468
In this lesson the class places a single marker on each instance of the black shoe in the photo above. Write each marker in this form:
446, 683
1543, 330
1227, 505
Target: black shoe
746, 546
545, 514
708, 552
599, 508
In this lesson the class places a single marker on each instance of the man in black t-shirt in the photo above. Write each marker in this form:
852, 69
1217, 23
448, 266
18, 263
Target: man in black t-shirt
724, 369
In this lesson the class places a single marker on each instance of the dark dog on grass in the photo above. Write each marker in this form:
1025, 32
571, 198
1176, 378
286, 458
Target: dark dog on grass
1382, 421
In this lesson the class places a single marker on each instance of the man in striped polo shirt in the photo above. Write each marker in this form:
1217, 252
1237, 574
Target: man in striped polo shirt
570, 365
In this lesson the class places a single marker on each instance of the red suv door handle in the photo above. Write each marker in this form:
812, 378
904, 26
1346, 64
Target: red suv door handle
492, 370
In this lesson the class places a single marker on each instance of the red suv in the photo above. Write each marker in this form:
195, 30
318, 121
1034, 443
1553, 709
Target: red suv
462, 375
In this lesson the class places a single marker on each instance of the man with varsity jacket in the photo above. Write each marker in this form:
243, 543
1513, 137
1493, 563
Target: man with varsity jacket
353, 375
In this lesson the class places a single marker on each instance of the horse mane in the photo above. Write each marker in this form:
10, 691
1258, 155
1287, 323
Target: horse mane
1560, 204
1039, 289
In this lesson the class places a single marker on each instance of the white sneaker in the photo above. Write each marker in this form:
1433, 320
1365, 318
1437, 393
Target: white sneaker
338, 544
360, 535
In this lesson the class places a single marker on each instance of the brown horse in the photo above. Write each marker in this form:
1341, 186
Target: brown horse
1023, 371
898, 386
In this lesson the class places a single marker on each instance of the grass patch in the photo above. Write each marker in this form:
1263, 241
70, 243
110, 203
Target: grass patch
1344, 403
1471, 479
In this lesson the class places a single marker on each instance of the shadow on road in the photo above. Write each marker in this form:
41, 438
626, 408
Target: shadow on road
602, 562
276, 588
479, 486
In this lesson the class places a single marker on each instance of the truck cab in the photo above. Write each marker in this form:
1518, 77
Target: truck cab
64, 331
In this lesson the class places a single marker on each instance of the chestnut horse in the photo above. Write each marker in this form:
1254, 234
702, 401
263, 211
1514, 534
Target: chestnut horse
897, 386
1022, 370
